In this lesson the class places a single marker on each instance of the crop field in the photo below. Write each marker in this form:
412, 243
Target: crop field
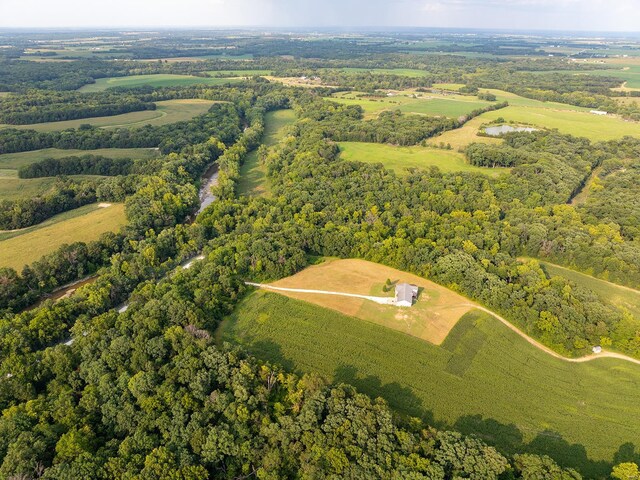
253, 175
581, 124
400, 159
168, 111
431, 318
154, 80
14, 161
41, 241
483, 379
619, 295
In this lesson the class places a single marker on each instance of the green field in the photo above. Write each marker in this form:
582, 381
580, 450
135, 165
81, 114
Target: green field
446, 107
253, 175
44, 240
168, 111
621, 296
483, 379
16, 160
581, 124
629, 74
154, 80
402, 158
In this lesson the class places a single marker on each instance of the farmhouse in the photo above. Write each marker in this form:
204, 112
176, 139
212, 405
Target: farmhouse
598, 112
406, 294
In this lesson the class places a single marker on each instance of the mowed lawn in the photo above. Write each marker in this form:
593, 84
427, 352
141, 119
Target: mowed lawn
483, 379
154, 80
253, 175
168, 111
21, 250
400, 159
431, 318
16, 160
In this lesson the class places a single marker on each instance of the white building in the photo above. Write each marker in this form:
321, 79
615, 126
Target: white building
597, 349
406, 294
598, 112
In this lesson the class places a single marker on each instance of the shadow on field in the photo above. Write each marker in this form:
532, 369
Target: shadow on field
271, 351
508, 439
398, 397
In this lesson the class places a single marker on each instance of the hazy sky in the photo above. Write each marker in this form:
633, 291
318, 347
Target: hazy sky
610, 15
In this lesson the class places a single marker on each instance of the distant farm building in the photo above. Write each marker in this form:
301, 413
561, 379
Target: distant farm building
406, 294
598, 112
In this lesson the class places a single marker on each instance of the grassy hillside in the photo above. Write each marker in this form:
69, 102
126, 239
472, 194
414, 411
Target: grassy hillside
253, 175
168, 111
402, 158
154, 80
483, 379
41, 241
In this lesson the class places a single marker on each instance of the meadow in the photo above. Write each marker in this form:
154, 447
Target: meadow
238, 73
168, 111
253, 175
153, 80
400, 159
405, 72
46, 239
483, 379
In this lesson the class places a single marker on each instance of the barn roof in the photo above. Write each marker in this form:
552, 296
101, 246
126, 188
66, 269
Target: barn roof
406, 292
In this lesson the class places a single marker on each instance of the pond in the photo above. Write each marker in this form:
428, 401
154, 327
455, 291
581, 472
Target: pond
502, 129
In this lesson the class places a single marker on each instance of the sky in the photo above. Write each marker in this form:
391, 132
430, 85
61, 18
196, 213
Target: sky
589, 15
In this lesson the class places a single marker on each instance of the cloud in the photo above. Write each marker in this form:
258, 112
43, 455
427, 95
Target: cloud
525, 14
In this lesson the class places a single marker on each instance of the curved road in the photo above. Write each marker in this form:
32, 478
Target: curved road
535, 343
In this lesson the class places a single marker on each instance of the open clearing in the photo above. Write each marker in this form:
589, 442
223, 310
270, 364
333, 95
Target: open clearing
238, 73
42, 241
154, 80
405, 72
14, 161
431, 318
402, 158
253, 175
168, 111
482, 379
463, 136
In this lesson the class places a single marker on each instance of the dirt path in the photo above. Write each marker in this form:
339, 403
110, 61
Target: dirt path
504, 321
544, 348
380, 300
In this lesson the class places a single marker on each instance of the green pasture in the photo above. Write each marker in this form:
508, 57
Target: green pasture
402, 158
484, 378
238, 73
14, 188
405, 72
253, 175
